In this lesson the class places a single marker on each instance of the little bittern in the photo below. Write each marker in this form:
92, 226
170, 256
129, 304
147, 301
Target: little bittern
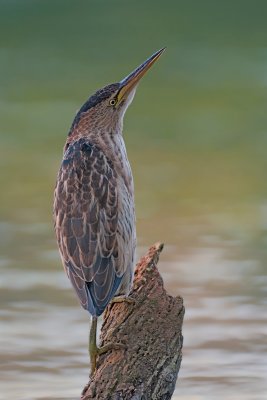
94, 201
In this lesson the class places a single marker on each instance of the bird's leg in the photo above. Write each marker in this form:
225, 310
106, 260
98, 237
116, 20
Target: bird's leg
122, 298
92, 344
95, 351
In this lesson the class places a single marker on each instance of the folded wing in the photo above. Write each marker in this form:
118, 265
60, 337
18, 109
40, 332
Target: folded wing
86, 222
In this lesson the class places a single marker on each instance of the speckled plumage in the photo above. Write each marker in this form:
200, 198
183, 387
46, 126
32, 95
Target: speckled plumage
94, 208
94, 198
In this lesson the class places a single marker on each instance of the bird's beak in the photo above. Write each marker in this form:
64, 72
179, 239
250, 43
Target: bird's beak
131, 81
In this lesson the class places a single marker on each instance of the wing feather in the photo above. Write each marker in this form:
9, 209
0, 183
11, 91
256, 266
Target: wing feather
87, 225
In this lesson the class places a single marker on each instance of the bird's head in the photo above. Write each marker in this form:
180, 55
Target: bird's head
103, 112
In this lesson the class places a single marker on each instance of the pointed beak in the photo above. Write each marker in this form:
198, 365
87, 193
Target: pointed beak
132, 80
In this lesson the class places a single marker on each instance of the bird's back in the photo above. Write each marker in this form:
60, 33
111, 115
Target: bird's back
95, 222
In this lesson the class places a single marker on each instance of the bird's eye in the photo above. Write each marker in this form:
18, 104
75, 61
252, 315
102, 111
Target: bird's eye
112, 102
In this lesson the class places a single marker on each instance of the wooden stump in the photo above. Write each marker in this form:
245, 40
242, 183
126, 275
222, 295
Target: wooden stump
151, 330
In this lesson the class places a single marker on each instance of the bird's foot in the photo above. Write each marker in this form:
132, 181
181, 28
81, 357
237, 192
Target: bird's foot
122, 299
97, 351
110, 346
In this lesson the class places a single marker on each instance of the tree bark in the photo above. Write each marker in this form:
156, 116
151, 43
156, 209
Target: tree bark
151, 330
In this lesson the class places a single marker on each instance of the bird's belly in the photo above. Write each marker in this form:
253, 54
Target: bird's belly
126, 233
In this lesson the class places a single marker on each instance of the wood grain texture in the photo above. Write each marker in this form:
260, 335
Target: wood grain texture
151, 330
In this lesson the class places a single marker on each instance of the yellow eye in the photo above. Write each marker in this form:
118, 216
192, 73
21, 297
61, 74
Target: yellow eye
112, 102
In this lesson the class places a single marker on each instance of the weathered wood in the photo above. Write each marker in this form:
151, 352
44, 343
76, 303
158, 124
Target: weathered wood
151, 330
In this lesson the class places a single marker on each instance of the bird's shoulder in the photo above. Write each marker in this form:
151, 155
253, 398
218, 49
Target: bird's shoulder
83, 153
85, 167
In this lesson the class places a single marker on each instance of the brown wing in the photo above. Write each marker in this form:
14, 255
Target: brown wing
86, 224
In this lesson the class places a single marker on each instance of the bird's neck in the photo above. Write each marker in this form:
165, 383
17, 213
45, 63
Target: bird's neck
100, 131
113, 146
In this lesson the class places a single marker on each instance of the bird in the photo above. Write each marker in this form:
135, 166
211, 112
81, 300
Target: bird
94, 209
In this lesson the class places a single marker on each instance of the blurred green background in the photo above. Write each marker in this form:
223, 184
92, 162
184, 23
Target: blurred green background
196, 139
